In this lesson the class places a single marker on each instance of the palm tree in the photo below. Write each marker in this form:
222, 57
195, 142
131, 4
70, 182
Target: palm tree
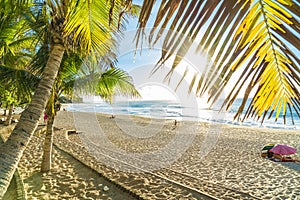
15, 52
111, 82
84, 26
258, 38
101, 77
106, 84
19, 85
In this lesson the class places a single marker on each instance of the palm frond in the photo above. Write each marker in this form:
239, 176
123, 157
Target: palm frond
259, 39
95, 78
116, 82
15, 42
127, 10
89, 24
263, 31
20, 82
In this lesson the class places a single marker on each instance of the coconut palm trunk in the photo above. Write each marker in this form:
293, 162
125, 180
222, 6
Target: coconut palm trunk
10, 115
4, 113
46, 161
11, 151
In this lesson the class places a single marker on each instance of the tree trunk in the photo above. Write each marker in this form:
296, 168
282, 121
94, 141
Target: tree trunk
10, 115
46, 162
11, 151
4, 113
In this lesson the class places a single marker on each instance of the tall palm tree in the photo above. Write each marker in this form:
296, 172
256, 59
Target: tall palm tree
69, 66
85, 26
258, 38
104, 83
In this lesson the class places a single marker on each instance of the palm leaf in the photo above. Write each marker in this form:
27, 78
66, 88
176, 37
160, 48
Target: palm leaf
91, 24
258, 38
18, 81
101, 77
115, 82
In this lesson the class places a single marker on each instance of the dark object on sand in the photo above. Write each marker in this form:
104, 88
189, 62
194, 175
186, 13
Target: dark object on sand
265, 152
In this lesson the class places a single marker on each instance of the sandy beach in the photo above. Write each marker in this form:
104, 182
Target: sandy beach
232, 169
136, 157
68, 179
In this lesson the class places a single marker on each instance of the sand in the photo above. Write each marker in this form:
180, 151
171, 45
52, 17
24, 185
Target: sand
221, 161
154, 159
68, 179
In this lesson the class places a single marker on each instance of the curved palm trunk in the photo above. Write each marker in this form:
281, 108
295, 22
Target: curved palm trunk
10, 115
46, 161
12, 150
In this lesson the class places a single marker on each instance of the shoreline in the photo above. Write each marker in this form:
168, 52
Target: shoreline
249, 123
190, 119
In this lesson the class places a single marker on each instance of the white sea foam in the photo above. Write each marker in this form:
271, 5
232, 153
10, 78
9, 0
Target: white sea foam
174, 110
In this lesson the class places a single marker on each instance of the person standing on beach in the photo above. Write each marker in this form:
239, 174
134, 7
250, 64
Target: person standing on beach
45, 117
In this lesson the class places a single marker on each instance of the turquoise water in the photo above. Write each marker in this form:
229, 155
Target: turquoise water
174, 110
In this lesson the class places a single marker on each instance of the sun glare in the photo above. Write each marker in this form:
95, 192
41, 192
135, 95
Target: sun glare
156, 92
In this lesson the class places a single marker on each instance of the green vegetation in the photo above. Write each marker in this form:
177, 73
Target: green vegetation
43, 42
84, 27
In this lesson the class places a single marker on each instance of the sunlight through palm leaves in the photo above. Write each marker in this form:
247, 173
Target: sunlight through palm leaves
258, 38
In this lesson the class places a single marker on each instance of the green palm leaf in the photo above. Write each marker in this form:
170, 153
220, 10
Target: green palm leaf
20, 82
88, 23
94, 77
258, 38
263, 38
116, 82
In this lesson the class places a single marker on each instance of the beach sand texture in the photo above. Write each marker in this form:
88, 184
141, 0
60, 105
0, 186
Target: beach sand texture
232, 168
68, 179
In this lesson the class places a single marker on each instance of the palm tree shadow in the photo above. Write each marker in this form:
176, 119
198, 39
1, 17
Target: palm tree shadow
34, 182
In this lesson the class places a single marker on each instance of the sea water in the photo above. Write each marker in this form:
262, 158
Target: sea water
175, 110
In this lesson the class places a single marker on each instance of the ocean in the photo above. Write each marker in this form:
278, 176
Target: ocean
175, 110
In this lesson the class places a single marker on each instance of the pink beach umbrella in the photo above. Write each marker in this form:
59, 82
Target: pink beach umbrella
283, 149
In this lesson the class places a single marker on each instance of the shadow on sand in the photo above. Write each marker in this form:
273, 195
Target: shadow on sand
292, 165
